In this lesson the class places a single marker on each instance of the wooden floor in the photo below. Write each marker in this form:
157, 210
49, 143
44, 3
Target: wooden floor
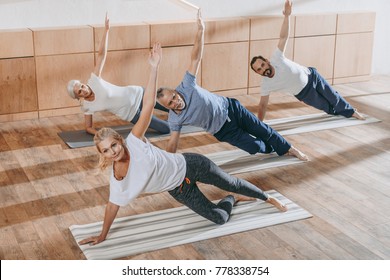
46, 187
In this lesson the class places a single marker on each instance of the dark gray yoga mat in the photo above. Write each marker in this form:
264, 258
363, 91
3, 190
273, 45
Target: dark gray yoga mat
80, 138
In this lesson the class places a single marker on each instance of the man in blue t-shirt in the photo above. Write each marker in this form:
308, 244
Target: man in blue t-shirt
223, 117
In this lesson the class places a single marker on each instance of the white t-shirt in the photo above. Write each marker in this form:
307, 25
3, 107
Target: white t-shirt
151, 170
121, 101
290, 77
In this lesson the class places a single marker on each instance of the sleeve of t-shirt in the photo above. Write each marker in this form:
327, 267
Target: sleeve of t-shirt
275, 57
189, 81
85, 110
118, 198
263, 91
173, 125
134, 140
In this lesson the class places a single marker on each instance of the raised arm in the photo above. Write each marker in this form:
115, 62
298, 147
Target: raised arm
149, 100
109, 217
285, 30
197, 50
102, 53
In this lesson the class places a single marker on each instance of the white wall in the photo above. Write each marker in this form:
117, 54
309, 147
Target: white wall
53, 13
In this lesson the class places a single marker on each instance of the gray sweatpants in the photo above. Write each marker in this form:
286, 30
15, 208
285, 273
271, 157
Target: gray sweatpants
202, 169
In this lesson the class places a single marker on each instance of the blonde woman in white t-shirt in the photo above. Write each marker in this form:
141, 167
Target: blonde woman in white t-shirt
140, 167
99, 95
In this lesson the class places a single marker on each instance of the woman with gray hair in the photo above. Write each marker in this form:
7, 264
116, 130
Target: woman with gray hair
100, 95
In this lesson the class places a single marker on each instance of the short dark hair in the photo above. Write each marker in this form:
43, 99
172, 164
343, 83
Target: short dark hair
254, 60
159, 92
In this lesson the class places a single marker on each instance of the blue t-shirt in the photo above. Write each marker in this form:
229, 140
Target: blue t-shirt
203, 108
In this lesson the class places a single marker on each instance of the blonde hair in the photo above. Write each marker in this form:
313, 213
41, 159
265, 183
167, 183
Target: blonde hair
101, 135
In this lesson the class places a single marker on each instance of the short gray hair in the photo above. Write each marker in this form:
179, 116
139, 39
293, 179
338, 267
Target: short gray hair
70, 87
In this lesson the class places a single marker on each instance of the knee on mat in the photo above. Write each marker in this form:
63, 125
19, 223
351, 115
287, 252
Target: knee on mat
257, 147
221, 220
251, 149
220, 217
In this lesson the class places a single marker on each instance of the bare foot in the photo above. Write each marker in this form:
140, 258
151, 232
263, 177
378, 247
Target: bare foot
297, 153
275, 202
358, 116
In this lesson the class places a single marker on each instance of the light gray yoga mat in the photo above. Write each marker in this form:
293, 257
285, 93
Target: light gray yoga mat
80, 138
314, 122
238, 161
176, 226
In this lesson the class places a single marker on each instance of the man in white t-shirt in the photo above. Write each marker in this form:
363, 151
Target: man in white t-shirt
99, 95
305, 83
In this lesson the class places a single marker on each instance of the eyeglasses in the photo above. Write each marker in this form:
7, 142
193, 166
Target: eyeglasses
175, 97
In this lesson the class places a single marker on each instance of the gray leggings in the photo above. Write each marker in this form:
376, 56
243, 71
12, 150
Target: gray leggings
201, 169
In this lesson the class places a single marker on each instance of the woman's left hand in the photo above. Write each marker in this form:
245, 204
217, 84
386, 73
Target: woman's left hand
93, 240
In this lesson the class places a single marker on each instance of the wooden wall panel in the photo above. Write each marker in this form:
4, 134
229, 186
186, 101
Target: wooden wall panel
173, 33
355, 22
225, 66
265, 48
18, 92
59, 112
16, 43
353, 55
63, 40
129, 67
268, 27
339, 46
18, 117
124, 37
226, 30
53, 74
323, 56
314, 25
174, 65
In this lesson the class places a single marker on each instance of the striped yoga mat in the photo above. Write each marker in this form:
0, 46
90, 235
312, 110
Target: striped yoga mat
239, 161
314, 122
176, 226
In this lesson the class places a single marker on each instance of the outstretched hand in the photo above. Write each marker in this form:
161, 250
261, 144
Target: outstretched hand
287, 8
107, 22
155, 55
